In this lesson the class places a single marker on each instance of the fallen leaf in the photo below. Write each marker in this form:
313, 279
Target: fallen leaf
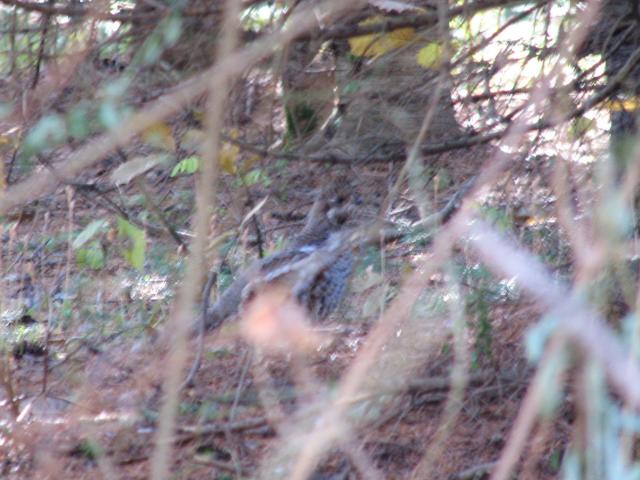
137, 166
159, 135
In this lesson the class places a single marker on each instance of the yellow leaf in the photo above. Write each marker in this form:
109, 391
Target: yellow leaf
407, 269
378, 44
159, 135
229, 158
430, 56
626, 105
9, 140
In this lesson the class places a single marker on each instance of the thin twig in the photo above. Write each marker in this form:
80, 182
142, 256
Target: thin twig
206, 300
46, 20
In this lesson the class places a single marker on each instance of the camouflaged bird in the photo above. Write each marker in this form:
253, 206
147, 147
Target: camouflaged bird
323, 291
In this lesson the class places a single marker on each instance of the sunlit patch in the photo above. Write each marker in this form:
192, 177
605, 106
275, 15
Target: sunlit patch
11, 314
100, 418
104, 417
450, 297
535, 220
150, 287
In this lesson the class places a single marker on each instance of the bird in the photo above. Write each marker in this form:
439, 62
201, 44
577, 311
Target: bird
320, 282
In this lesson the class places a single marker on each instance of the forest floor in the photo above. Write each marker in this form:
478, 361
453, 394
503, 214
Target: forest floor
87, 395
84, 329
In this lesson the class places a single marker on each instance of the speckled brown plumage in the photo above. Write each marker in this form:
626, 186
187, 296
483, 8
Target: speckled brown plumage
324, 290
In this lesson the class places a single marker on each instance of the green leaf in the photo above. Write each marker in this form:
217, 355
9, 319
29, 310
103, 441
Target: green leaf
256, 176
91, 257
89, 232
134, 253
88, 449
187, 166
